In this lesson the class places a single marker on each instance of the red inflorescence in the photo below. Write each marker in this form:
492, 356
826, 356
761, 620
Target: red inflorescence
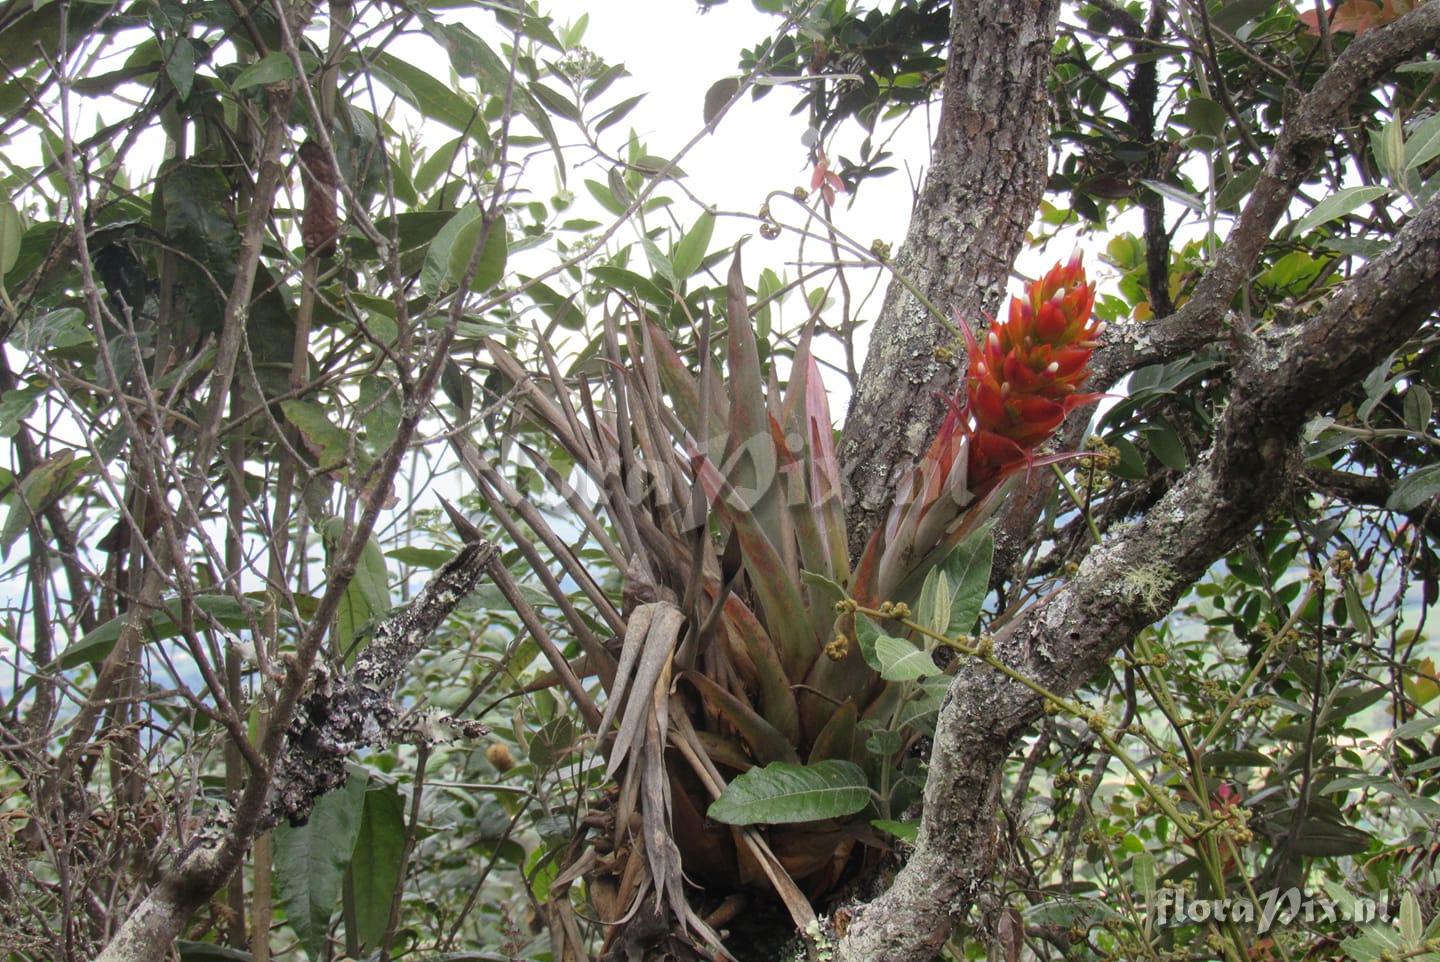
1027, 374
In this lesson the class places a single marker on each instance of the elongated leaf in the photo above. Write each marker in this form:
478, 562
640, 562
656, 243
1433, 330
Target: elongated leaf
837, 738
209, 952
935, 597
12, 229
690, 250
1178, 194
432, 98
762, 738
969, 569
751, 465
272, 68
786, 617
826, 487
327, 442
92, 649
1326, 839
1423, 145
905, 831
777, 701
375, 864
868, 635
1335, 206
366, 597
782, 793
42, 487
921, 710
1413, 490
472, 57
310, 861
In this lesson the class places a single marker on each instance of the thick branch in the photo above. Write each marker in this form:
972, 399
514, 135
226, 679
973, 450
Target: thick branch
1136, 577
967, 228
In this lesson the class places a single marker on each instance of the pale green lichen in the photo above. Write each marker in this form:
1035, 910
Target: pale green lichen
1149, 585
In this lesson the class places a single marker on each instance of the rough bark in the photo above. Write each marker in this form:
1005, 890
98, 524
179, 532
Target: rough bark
1135, 577
986, 177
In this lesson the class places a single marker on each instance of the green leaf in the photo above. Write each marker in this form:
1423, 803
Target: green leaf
1165, 445
1388, 147
180, 65
209, 952
12, 230
310, 861
1237, 187
784, 793
868, 635
717, 96
605, 195
1326, 839
376, 861
428, 95
271, 69
1412, 926
18, 404
1207, 117
901, 661
1335, 206
905, 831
1419, 406
1416, 726
472, 57
1416, 488
47, 483
165, 623
921, 710
969, 570
1234, 15
1142, 869
659, 263
366, 597
1177, 194
450, 253
936, 597
380, 410
329, 443
690, 250
420, 557
54, 330
1423, 145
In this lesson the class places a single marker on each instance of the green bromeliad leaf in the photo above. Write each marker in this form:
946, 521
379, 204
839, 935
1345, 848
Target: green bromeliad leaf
781, 792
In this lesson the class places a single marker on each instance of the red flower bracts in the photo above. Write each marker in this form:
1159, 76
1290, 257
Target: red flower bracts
1022, 382
1026, 377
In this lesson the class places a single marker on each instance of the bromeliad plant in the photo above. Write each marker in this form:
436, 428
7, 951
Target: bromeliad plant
745, 684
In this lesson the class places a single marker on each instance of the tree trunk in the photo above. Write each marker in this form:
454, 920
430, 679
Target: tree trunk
986, 177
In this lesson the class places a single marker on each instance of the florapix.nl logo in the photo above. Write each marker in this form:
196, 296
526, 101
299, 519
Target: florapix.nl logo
1175, 906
